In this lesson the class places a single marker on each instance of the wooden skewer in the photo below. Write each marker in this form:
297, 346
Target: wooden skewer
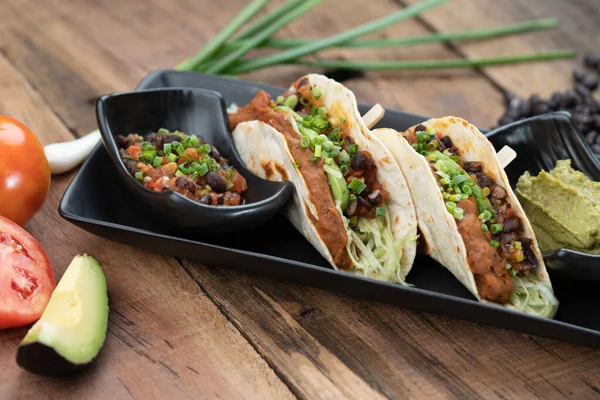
506, 155
373, 116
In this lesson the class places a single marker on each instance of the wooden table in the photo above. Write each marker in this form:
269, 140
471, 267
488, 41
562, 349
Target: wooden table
182, 330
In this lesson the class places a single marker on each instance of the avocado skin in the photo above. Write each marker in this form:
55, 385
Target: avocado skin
41, 359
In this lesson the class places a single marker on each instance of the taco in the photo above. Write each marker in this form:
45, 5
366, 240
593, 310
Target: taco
351, 200
469, 218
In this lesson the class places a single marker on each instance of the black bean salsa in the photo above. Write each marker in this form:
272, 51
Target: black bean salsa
491, 231
184, 164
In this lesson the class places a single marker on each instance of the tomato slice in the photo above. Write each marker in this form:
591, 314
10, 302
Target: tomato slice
26, 277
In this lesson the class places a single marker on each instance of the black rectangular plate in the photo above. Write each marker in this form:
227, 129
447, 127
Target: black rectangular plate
277, 250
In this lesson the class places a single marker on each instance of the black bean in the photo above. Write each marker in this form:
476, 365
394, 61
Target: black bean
366, 191
216, 182
206, 199
570, 99
181, 182
172, 138
131, 166
123, 141
498, 192
441, 146
375, 197
351, 209
596, 148
555, 100
420, 128
525, 109
597, 139
512, 225
514, 107
530, 257
583, 119
473, 166
191, 186
590, 82
483, 180
214, 153
578, 74
364, 203
596, 122
592, 60
591, 137
447, 141
582, 92
508, 96
360, 162
149, 137
539, 108
526, 242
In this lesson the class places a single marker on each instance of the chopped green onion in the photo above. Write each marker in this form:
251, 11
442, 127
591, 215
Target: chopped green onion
178, 147
456, 159
353, 219
380, 212
450, 206
485, 192
415, 146
204, 149
163, 130
518, 245
356, 186
172, 157
319, 111
458, 179
157, 162
445, 181
167, 148
335, 122
195, 175
352, 149
335, 151
178, 173
457, 190
314, 158
446, 195
431, 131
343, 157
432, 145
139, 175
307, 121
466, 189
328, 145
465, 196
494, 243
458, 213
484, 227
486, 215
291, 101
194, 142
148, 155
345, 169
304, 142
318, 150
296, 164
496, 228
304, 101
422, 137
455, 197
316, 92
201, 169
279, 100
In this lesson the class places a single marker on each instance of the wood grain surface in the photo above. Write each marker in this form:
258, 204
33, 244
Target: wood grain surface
181, 330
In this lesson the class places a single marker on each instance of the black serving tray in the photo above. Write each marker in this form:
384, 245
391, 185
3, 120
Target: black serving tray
277, 250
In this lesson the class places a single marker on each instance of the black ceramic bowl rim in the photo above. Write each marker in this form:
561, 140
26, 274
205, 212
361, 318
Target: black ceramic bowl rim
579, 139
110, 146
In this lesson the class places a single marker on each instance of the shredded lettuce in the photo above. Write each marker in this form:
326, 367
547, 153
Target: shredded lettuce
532, 296
373, 250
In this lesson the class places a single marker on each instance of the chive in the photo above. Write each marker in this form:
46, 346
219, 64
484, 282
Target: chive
139, 175
227, 61
317, 45
316, 92
484, 227
157, 162
172, 157
167, 148
437, 64
380, 212
318, 150
291, 101
221, 37
496, 228
268, 19
494, 243
475, 34
352, 149
458, 213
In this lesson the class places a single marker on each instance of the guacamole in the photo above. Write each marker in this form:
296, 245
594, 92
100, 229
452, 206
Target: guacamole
563, 206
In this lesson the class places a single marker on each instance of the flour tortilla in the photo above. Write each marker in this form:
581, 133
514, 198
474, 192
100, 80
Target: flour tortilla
438, 228
265, 152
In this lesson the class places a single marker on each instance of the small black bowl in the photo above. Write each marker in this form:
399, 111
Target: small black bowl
193, 111
540, 142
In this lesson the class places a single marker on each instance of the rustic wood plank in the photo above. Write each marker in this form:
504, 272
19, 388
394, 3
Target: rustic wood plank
578, 30
165, 337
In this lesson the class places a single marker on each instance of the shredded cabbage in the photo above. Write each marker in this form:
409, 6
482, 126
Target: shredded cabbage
373, 250
532, 296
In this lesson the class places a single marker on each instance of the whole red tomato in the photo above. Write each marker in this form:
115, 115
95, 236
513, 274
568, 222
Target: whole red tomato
26, 277
24, 171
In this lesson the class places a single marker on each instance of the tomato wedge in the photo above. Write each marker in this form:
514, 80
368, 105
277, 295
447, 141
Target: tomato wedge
26, 277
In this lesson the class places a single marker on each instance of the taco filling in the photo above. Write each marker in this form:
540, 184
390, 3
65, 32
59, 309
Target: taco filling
351, 212
499, 255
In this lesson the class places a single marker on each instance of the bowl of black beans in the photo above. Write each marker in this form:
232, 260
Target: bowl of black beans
578, 101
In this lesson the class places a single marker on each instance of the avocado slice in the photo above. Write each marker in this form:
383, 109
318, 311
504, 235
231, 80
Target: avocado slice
72, 329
